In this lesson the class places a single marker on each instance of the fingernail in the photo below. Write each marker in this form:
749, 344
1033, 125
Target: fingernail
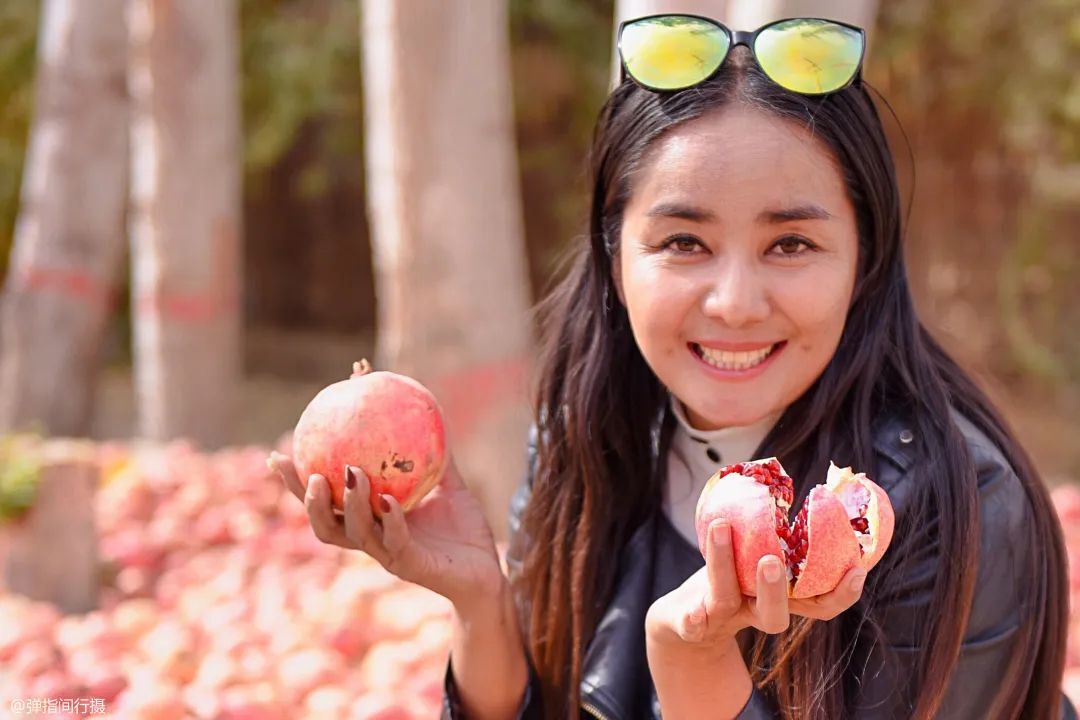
350, 477
720, 534
772, 570
383, 504
271, 465
857, 581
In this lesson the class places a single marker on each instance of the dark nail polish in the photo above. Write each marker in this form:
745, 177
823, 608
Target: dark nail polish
384, 504
350, 478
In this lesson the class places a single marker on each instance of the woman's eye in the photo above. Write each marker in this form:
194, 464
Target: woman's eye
684, 244
793, 245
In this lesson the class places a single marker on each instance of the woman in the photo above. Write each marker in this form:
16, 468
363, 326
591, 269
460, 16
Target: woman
741, 294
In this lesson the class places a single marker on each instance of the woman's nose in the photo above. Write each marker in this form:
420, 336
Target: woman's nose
737, 295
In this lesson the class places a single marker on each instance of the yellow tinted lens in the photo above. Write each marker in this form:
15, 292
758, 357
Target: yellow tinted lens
673, 51
809, 56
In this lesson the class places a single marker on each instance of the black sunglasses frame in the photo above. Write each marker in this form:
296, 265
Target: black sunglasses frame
747, 38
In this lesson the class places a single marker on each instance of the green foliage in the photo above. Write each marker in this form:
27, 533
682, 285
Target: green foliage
300, 62
1014, 61
561, 72
20, 473
1001, 77
18, 40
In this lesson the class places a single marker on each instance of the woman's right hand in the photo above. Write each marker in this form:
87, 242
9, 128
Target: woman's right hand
444, 543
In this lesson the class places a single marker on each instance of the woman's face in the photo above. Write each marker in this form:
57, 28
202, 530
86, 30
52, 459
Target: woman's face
737, 263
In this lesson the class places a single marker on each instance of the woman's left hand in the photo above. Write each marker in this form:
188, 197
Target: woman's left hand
709, 608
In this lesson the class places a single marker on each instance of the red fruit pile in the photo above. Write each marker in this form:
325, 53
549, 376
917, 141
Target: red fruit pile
219, 604
388, 425
1067, 502
845, 522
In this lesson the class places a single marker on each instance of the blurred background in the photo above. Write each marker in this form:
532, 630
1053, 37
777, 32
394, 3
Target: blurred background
210, 209
986, 90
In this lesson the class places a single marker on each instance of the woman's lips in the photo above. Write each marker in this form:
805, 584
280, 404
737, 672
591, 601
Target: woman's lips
737, 364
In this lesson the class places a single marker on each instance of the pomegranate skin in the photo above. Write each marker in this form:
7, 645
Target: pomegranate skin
831, 545
879, 512
750, 509
388, 425
758, 521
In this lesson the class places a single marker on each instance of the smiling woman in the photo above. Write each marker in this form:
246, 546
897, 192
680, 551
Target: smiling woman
737, 263
742, 294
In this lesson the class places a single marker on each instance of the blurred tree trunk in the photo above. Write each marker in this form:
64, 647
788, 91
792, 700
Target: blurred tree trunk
447, 236
752, 14
69, 238
186, 213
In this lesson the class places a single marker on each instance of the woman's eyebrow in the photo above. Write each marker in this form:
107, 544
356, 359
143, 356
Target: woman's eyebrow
772, 216
682, 211
799, 212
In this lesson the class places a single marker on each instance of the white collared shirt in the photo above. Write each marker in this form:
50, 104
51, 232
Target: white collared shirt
696, 454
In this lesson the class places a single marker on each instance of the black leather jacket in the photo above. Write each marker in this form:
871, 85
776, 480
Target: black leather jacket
616, 683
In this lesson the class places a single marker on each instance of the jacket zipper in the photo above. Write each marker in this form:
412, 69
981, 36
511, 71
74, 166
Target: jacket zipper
593, 710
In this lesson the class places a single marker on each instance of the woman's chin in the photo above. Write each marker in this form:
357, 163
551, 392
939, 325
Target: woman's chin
717, 418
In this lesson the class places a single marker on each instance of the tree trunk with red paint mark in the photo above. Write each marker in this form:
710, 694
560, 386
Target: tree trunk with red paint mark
69, 238
186, 213
447, 234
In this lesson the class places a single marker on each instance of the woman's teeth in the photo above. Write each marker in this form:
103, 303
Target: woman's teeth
733, 360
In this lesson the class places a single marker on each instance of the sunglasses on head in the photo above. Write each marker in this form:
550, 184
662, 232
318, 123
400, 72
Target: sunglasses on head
810, 56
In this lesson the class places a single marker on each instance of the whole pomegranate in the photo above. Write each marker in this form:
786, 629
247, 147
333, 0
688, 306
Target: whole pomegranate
388, 425
845, 522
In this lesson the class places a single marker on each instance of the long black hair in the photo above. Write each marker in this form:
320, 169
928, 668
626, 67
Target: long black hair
597, 477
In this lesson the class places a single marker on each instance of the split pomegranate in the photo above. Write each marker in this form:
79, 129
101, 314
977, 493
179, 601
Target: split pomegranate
845, 522
388, 425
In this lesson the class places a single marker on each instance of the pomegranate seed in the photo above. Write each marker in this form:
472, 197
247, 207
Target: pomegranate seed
797, 543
